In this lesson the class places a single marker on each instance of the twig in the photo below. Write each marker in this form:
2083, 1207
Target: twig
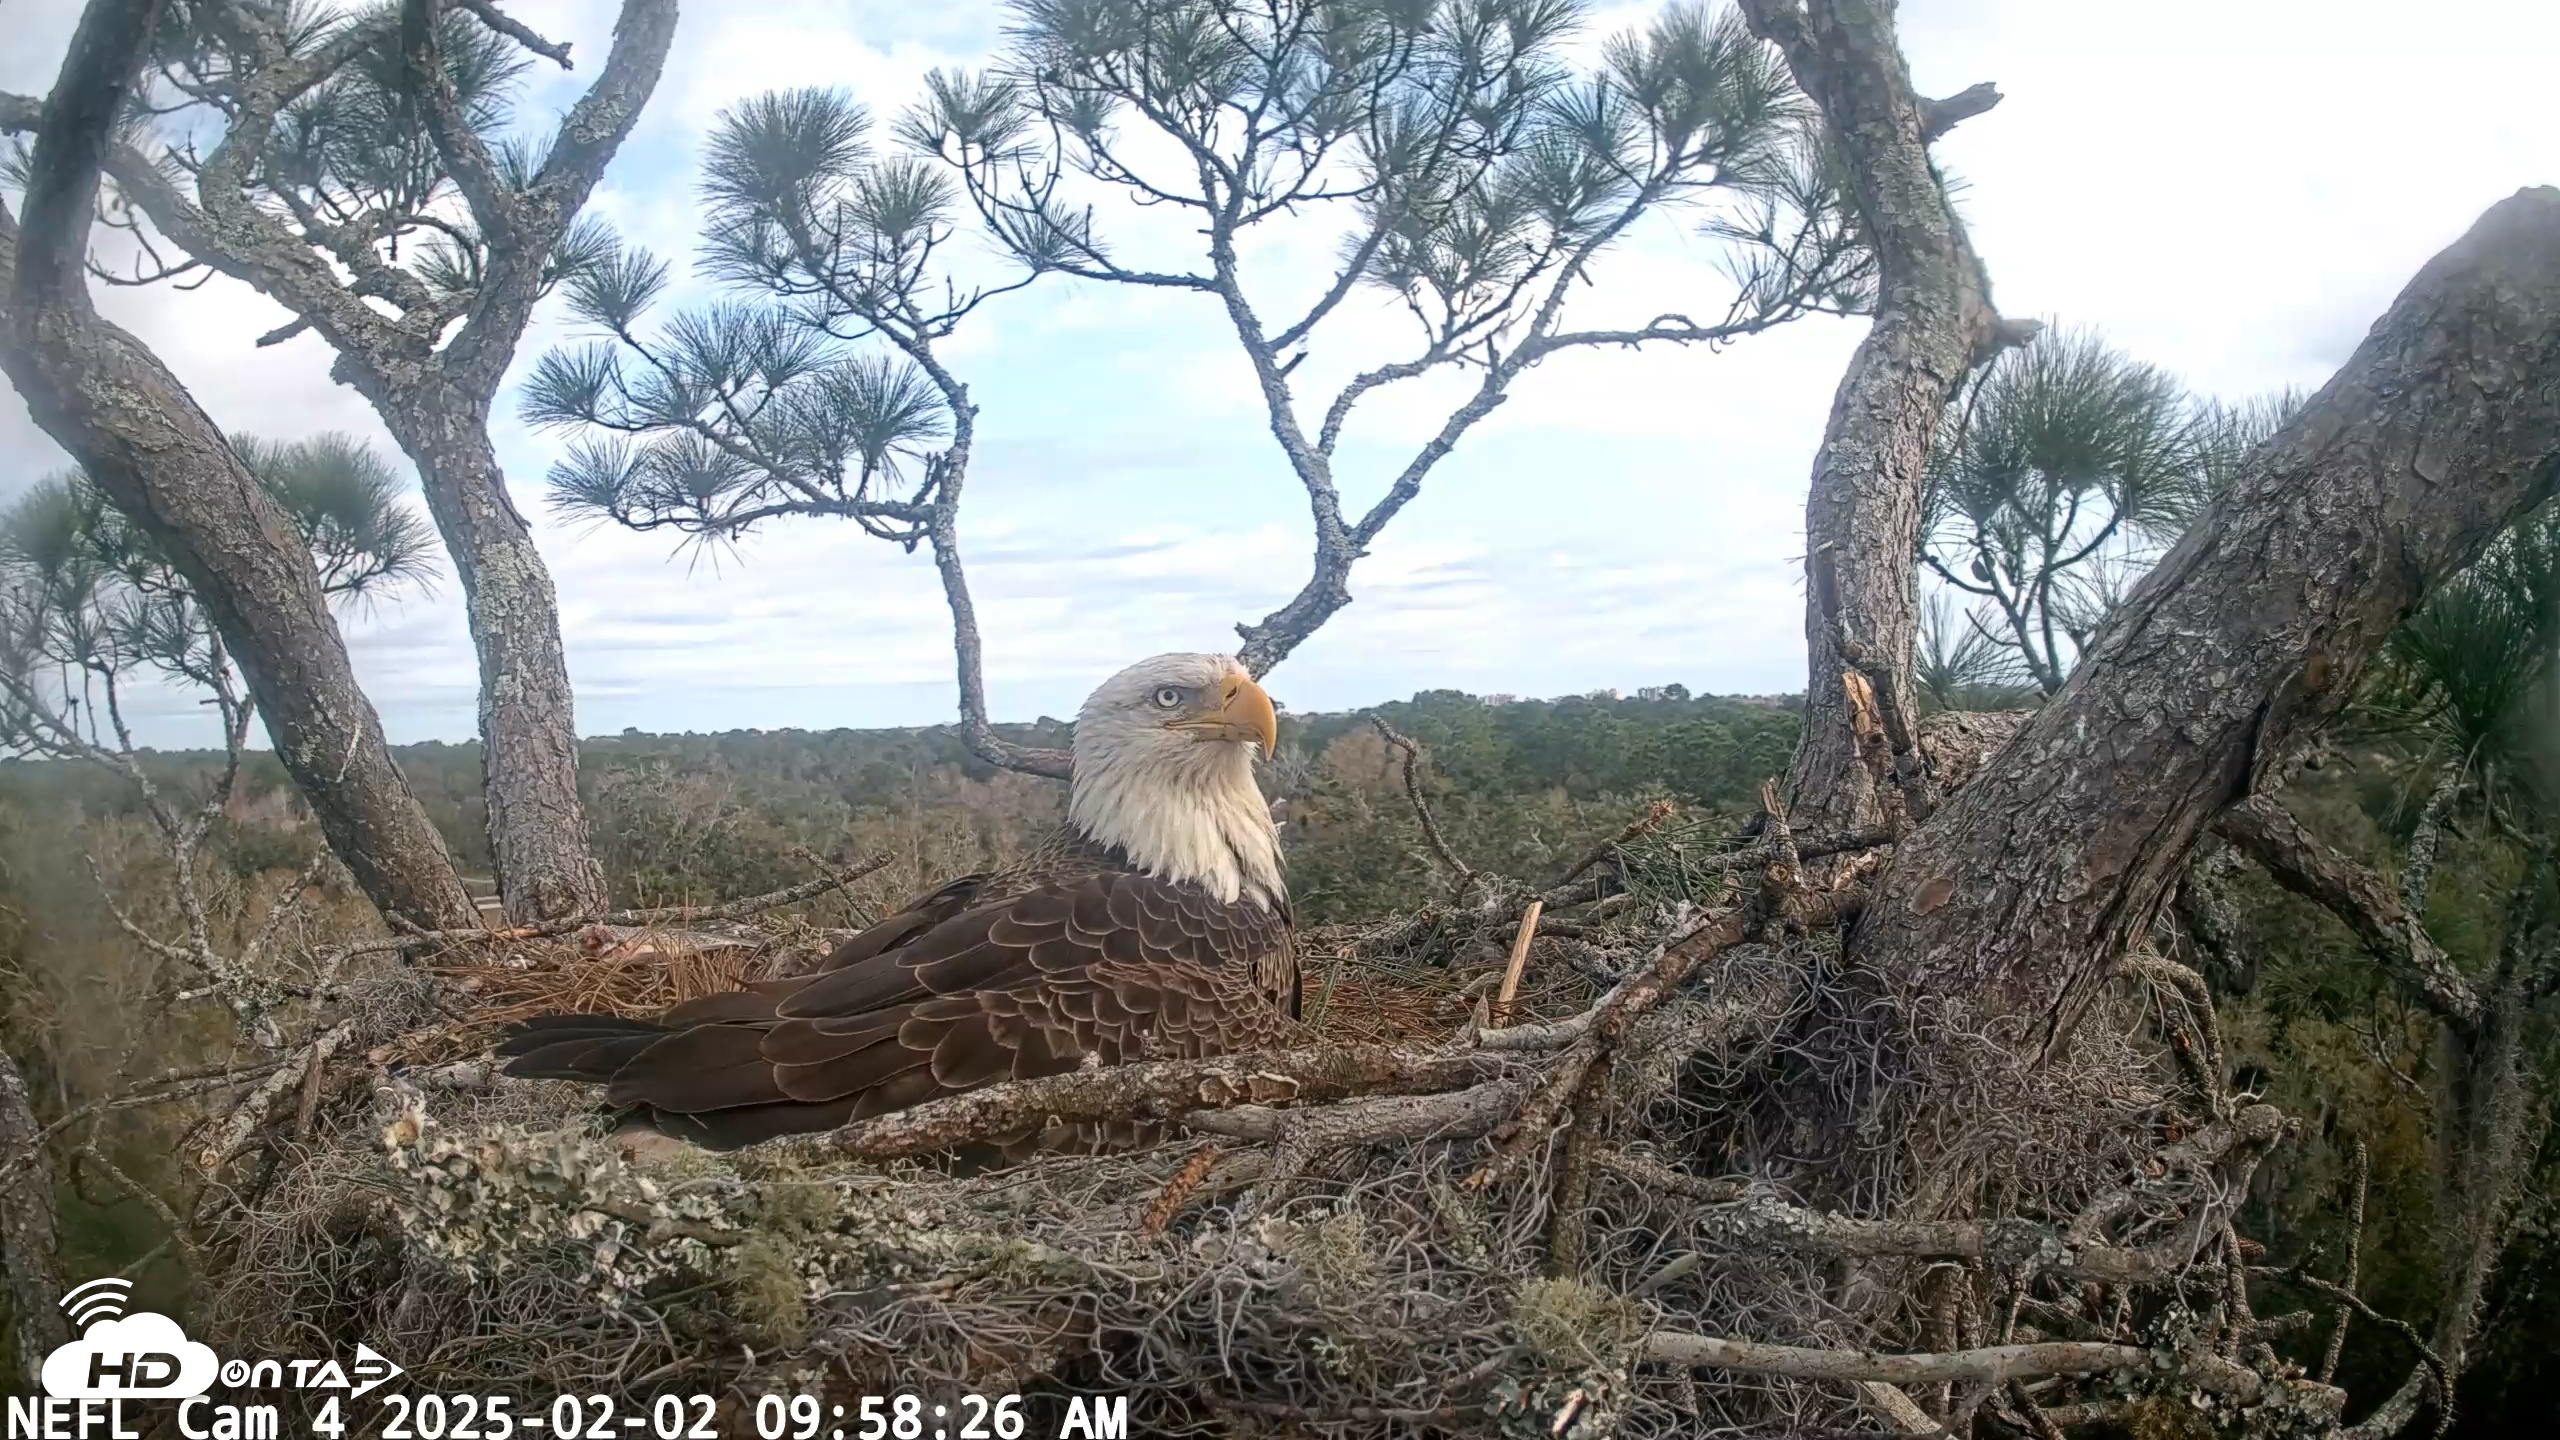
1379, 1120
1637, 829
2348, 1299
312, 1070
1413, 791
1665, 1180
1896, 1408
861, 913
2254, 1126
2355, 1263
176, 1228
1750, 1224
1569, 1223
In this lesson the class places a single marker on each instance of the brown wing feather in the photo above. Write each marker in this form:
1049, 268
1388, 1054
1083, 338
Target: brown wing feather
946, 997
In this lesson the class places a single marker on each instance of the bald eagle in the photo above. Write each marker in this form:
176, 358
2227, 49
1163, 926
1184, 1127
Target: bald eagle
1152, 924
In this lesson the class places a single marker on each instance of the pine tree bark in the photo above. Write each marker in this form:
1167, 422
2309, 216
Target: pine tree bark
1934, 321
103, 396
528, 732
27, 1230
2442, 430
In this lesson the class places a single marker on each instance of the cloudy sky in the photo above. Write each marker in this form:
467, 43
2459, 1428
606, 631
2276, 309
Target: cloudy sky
2232, 189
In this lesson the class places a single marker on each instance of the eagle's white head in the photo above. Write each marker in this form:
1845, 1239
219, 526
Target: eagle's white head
1164, 770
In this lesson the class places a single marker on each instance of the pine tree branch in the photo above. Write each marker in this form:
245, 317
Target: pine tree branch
495, 206
1937, 117
586, 141
555, 52
2299, 861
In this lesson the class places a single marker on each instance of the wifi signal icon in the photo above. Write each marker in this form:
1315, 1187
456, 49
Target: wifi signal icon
98, 1300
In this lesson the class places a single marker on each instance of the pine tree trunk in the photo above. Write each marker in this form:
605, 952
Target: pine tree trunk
1933, 322
528, 727
2441, 430
103, 396
26, 1229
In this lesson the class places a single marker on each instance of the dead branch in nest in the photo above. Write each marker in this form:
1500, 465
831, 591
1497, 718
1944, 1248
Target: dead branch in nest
2437, 1375
1383, 1120
2019, 1247
1510, 990
1555, 1034
1504, 901
1662, 1179
1614, 1018
1988, 1365
162, 1089
1150, 1090
245, 1118
1820, 847
2255, 1126
1413, 755
1610, 1021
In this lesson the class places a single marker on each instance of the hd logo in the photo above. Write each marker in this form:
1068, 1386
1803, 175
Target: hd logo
118, 1357
141, 1356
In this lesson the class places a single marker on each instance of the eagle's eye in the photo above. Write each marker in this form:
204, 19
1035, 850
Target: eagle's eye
1169, 697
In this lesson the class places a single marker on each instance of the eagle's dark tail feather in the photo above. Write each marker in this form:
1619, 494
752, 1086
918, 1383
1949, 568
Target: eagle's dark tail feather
576, 1047
597, 1048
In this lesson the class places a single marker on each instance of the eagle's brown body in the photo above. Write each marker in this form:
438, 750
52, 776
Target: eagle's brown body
1075, 956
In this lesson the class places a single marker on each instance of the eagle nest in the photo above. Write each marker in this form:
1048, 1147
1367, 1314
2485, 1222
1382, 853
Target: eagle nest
1577, 1205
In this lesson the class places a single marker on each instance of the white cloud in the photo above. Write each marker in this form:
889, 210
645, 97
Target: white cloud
2234, 192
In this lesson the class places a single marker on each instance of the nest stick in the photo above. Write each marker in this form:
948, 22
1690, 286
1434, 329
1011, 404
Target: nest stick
1152, 1090
1988, 1365
1519, 960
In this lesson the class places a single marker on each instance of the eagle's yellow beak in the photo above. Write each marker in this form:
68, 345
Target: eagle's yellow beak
1244, 713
